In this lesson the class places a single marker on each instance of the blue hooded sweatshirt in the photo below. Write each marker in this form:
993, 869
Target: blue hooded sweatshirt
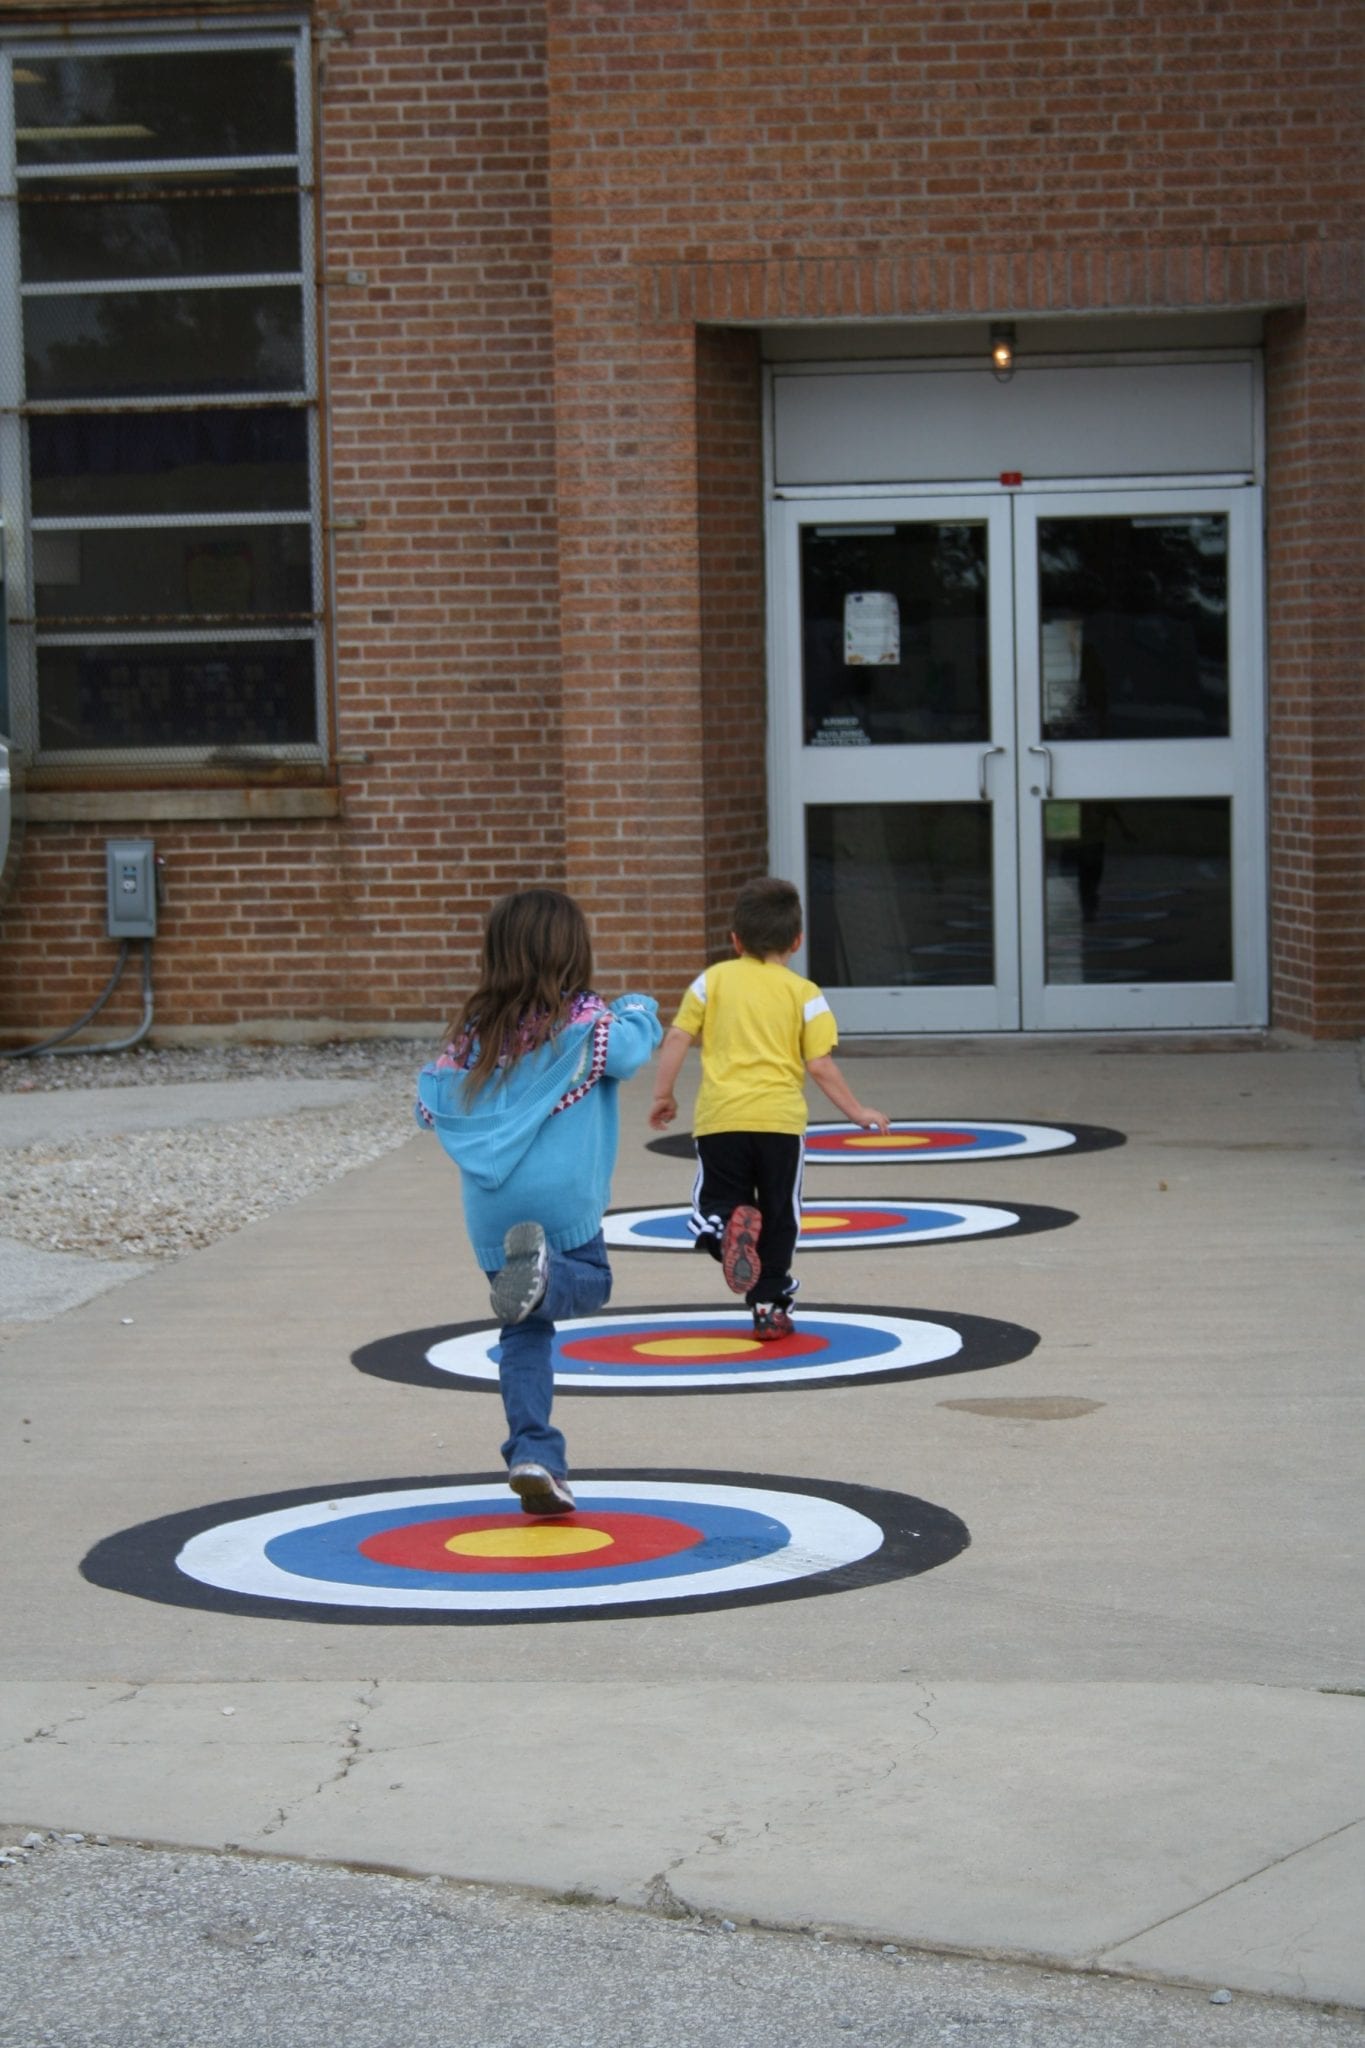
537, 1143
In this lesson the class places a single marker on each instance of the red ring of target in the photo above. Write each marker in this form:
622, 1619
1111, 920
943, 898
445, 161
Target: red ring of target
723, 1345
827, 1219
633, 1539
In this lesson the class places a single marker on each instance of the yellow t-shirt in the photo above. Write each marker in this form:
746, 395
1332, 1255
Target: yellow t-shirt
758, 1024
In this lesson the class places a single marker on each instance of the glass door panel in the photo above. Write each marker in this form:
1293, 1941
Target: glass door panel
895, 644
1133, 620
1140, 760
900, 893
1138, 891
892, 731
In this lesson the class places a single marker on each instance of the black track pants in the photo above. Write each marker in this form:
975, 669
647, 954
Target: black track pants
762, 1168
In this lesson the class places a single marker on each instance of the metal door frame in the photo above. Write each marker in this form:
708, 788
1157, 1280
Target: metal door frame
1234, 767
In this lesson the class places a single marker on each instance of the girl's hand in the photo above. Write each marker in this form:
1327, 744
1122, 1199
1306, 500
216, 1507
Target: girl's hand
662, 1111
872, 1119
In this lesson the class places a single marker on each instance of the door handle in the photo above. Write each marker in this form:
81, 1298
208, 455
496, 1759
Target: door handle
981, 769
1046, 753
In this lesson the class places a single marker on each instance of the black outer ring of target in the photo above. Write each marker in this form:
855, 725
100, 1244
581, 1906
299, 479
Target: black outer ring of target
989, 1341
917, 1536
1029, 1217
1088, 1138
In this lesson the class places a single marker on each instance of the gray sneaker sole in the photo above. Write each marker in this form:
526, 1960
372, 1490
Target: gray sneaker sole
521, 1283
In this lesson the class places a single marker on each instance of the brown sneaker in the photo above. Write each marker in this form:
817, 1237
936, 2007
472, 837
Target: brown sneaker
739, 1249
540, 1492
771, 1321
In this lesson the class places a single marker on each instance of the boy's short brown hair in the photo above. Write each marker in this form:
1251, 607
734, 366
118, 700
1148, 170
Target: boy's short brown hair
767, 917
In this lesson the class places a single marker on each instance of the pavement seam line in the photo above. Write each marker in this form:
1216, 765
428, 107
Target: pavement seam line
1275, 1863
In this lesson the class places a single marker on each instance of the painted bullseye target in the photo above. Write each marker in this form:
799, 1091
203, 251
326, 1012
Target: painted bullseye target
931, 1141
846, 1226
692, 1351
451, 1550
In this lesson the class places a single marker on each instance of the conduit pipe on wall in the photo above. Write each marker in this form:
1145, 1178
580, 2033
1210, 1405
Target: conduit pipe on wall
57, 1044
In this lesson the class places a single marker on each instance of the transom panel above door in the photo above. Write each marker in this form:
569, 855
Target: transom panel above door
1017, 756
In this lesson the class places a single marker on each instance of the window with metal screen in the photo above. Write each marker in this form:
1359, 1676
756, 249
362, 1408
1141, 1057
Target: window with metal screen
159, 434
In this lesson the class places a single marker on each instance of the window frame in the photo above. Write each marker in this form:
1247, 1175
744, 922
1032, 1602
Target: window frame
22, 719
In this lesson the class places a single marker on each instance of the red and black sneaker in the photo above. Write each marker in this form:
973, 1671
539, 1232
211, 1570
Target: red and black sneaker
772, 1321
739, 1249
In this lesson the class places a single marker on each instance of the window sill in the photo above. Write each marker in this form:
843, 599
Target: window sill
100, 806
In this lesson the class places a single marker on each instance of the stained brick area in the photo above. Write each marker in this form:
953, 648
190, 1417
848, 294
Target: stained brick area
544, 409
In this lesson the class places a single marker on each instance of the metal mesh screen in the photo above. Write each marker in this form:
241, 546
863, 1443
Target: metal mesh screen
159, 442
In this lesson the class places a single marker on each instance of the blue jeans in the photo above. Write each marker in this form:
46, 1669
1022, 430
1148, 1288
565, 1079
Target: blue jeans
579, 1282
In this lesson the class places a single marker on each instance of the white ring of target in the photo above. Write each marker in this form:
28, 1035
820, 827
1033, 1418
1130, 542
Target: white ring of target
624, 1227
916, 1343
824, 1536
1029, 1139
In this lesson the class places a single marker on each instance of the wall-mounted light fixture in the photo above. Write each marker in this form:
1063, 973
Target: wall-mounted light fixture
1002, 350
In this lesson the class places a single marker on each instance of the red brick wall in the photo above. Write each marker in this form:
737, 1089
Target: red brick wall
912, 161
548, 641
1317, 696
434, 176
432, 132
733, 642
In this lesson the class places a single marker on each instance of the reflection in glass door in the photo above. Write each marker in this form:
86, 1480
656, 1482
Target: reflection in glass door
898, 819
1017, 757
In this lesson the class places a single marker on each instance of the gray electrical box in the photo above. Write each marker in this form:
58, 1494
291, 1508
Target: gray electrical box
130, 867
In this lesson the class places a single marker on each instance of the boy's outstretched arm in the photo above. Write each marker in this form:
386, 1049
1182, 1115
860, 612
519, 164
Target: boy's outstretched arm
664, 1107
825, 1073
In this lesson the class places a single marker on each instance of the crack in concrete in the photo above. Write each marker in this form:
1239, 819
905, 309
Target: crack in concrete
353, 1748
660, 1896
50, 1731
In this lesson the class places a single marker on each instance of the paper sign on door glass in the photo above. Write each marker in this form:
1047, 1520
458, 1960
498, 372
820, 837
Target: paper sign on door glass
872, 627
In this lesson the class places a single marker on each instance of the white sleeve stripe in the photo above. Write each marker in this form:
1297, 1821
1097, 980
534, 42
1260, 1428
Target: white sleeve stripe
816, 1007
698, 988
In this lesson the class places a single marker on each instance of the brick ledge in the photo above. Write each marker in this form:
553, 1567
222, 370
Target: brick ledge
95, 806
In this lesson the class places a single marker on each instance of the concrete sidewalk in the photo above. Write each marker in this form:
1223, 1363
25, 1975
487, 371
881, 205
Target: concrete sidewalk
1121, 1730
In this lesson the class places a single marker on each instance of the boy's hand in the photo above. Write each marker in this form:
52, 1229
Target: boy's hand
662, 1111
871, 1119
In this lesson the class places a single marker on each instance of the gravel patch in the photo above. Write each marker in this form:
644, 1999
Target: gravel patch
110, 1946
153, 1194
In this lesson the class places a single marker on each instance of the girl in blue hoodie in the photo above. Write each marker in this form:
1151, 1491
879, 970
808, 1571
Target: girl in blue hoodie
524, 1101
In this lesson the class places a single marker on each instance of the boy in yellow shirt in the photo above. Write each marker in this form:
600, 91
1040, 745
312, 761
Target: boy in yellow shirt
762, 1030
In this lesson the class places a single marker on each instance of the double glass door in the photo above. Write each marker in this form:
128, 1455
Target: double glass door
1018, 757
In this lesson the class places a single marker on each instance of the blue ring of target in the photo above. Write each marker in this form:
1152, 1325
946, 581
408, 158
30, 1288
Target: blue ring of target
916, 1536
987, 1342
668, 1228
985, 1144
841, 1344
331, 1550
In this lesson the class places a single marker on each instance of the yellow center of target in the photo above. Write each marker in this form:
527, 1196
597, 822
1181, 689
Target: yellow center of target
696, 1347
876, 1140
539, 1539
826, 1222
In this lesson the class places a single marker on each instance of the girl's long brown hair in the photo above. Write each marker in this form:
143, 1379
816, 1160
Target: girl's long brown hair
537, 957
